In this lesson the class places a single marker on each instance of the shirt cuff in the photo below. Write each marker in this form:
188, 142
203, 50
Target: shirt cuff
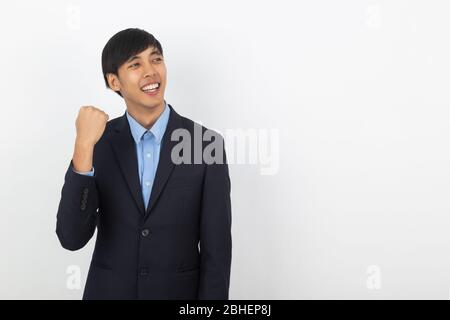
88, 173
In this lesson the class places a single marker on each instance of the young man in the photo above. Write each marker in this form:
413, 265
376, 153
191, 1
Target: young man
163, 225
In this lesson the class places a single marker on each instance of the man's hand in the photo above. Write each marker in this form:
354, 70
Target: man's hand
90, 124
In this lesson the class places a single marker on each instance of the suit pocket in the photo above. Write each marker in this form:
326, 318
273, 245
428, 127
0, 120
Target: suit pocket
189, 269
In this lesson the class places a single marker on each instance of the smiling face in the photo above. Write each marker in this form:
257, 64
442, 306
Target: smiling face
141, 80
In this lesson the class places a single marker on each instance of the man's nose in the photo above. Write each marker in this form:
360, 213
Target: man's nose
149, 71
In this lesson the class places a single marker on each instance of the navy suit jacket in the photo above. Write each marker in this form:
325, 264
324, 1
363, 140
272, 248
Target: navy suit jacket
179, 248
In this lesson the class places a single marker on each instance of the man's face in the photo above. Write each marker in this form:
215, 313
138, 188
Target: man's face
137, 78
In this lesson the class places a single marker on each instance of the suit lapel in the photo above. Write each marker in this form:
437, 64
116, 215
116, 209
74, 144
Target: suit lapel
125, 151
165, 163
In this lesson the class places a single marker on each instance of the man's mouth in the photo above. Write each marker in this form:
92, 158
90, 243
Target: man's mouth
151, 89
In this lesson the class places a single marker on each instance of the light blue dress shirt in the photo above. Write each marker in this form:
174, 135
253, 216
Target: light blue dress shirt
148, 147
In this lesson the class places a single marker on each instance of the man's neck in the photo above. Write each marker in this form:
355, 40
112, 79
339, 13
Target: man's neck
146, 117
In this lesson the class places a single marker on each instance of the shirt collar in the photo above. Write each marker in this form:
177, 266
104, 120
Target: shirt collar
158, 128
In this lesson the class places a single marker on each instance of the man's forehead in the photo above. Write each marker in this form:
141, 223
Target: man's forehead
150, 50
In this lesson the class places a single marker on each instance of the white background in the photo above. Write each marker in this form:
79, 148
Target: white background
357, 89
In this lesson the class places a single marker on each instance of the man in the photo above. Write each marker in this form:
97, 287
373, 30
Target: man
163, 225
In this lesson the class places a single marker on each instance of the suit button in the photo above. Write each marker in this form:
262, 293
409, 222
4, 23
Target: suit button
83, 207
143, 271
145, 232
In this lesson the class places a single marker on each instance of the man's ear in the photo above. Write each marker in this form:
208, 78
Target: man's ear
113, 81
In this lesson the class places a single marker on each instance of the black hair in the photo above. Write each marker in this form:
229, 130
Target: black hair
122, 46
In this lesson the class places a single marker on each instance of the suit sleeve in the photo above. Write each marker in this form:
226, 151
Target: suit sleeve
77, 214
215, 233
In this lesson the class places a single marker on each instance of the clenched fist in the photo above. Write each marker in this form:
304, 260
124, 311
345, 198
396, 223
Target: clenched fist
90, 124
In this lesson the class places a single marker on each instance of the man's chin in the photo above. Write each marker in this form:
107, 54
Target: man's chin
145, 103
154, 104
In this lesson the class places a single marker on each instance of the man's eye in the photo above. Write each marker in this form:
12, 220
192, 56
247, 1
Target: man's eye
134, 65
158, 59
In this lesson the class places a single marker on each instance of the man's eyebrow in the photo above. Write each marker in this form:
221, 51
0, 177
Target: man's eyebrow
133, 58
155, 52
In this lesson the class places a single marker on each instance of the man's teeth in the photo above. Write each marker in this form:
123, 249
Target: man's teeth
151, 87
